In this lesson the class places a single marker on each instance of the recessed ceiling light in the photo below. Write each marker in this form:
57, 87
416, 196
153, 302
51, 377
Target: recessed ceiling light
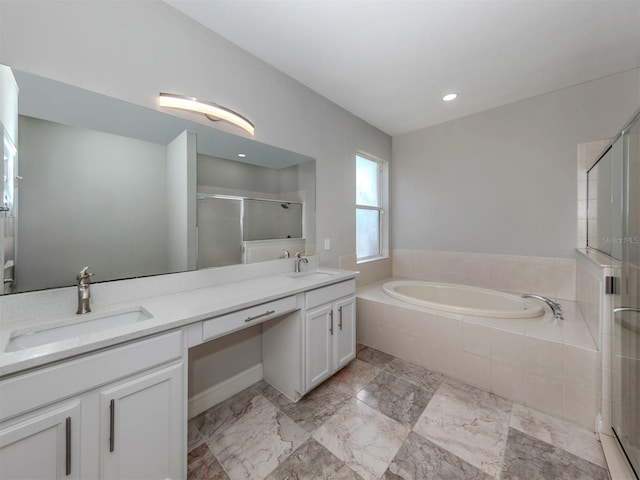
242, 155
450, 96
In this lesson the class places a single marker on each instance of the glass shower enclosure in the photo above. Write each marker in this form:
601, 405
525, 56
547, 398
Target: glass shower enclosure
626, 326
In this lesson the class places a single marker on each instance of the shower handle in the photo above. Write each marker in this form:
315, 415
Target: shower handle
626, 309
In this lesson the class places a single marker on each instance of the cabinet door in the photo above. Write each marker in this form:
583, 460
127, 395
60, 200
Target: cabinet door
42, 444
318, 339
142, 426
345, 332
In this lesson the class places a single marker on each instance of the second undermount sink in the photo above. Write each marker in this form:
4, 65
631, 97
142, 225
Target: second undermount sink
313, 275
65, 329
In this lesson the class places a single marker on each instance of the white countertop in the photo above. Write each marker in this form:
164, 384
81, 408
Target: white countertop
169, 312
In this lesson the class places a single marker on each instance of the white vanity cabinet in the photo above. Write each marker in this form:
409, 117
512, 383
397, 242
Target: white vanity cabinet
144, 421
330, 340
119, 413
43, 444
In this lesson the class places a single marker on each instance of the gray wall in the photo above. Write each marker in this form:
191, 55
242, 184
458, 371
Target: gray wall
69, 204
504, 181
219, 172
104, 46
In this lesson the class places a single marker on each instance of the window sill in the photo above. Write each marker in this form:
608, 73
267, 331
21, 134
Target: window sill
371, 259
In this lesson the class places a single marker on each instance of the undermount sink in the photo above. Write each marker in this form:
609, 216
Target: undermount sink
66, 330
313, 275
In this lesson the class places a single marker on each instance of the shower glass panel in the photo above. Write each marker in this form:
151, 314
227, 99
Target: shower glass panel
626, 348
219, 232
604, 202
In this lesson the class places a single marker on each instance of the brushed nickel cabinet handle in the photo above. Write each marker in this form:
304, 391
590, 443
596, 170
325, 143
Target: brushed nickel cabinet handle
331, 324
68, 446
112, 425
255, 317
340, 320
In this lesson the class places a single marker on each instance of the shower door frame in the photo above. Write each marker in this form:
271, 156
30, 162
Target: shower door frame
626, 314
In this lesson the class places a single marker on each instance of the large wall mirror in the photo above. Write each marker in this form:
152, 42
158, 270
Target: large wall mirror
132, 191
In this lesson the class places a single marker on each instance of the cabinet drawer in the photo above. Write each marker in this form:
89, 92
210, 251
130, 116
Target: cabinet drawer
330, 293
231, 322
41, 387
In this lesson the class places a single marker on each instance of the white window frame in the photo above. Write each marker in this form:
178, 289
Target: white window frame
382, 208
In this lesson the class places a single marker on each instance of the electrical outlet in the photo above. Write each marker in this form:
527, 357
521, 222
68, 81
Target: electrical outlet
327, 244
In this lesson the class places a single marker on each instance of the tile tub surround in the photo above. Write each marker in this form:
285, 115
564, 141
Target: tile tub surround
551, 277
597, 309
370, 270
551, 366
460, 432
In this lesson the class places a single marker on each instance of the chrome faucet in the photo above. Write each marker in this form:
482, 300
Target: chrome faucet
300, 258
285, 253
84, 292
555, 307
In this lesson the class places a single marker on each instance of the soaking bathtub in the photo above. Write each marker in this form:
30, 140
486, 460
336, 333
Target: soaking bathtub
447, 297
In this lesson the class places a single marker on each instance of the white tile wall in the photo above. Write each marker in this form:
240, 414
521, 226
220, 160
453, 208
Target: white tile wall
596, 307
370, 271
587, 154
552, 277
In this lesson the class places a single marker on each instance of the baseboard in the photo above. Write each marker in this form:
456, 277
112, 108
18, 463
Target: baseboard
221, 391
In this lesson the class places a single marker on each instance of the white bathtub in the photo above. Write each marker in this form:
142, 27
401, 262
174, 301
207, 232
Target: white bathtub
462, 299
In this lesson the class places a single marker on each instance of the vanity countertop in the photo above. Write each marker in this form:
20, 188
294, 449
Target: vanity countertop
169, 312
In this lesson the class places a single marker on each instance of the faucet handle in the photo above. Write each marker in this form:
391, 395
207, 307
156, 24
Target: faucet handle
300, 253
84, 273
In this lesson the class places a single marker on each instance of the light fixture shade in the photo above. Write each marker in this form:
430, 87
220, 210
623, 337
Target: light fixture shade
210, 110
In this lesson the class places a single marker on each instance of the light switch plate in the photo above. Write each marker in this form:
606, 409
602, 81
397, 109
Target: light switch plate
327, 244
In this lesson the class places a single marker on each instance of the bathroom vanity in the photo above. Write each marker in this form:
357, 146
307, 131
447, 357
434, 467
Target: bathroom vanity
111, 402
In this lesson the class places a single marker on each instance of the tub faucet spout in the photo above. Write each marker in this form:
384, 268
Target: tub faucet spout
555, 307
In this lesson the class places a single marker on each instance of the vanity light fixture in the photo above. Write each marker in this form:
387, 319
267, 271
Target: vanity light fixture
450, 96
210, 110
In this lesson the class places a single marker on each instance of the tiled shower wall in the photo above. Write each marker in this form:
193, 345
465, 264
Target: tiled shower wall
551, 277
588, 153
596, 307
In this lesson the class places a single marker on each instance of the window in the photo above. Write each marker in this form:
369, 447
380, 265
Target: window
369, 211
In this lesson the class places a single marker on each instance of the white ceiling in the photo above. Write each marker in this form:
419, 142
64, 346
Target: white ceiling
390, 61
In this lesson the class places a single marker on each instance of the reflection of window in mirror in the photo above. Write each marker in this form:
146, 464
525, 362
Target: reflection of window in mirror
371, 187
9, 166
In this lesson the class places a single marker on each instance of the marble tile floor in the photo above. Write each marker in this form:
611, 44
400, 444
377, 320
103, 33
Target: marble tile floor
384, 418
